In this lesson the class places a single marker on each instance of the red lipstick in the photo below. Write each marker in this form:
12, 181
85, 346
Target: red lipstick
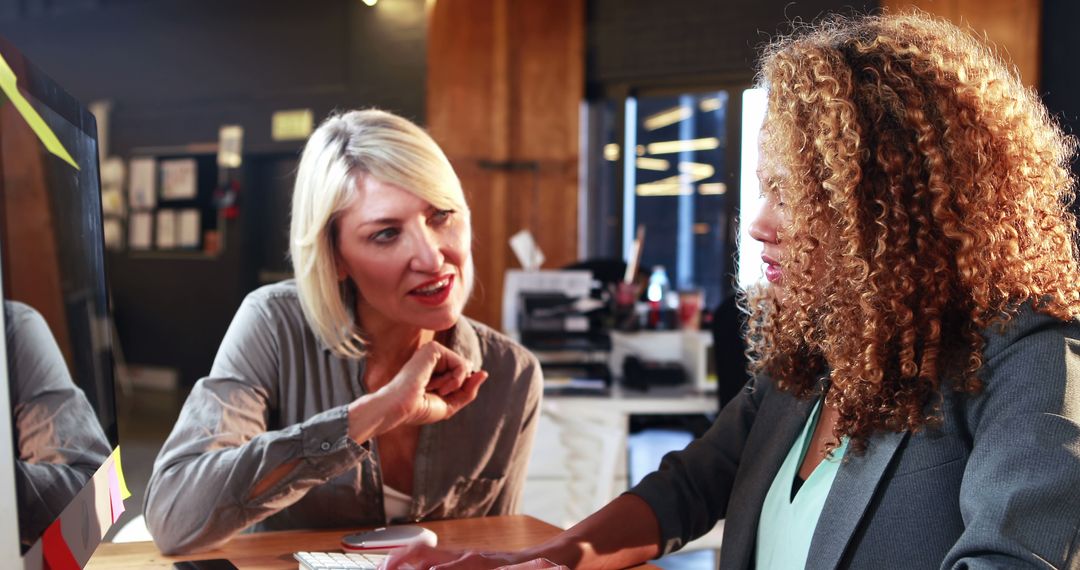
434, 292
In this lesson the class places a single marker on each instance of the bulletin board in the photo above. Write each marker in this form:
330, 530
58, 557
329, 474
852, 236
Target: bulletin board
172, 206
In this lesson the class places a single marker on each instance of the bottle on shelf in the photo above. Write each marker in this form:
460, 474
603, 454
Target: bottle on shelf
660, 296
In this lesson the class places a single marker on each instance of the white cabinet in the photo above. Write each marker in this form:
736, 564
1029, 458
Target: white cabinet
579, 461
692, 349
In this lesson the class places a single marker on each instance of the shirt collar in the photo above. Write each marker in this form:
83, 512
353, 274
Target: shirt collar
463, 340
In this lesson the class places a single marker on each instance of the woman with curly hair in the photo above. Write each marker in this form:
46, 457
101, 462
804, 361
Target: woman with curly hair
915, 401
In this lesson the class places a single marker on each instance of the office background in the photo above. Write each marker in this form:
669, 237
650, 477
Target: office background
524, 96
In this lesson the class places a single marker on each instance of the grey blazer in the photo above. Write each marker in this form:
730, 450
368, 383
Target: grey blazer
997, 485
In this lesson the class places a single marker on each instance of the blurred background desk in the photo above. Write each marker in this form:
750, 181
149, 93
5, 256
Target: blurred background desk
273, 550
585, 455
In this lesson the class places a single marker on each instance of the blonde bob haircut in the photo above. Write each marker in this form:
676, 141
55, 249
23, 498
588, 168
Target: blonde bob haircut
344, 149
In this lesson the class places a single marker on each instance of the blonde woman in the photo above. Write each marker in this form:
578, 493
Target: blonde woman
355, 394
916, 392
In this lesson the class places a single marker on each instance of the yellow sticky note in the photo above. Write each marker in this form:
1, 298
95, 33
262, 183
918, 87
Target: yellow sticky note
9, 85
124, 492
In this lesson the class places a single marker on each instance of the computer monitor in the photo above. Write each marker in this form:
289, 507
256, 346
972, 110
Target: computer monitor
57, 407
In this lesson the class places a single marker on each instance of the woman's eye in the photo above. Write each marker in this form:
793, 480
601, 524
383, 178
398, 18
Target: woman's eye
384, 236
441, 217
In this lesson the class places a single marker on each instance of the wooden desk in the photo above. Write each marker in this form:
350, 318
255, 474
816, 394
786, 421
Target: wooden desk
271, 550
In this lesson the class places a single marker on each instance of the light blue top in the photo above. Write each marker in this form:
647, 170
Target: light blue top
787, 525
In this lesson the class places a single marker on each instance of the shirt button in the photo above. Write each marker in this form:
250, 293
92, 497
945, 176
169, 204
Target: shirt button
325, 446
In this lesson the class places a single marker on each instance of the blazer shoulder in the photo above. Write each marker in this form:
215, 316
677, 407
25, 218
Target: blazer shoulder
1029, 329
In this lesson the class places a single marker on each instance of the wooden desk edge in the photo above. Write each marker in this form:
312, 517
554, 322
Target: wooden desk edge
274, 550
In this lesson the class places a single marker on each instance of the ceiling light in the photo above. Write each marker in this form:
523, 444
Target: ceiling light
712, 189
667, 117
697, 170
689, 145
710, 104
670, 186
659, 164
611, 152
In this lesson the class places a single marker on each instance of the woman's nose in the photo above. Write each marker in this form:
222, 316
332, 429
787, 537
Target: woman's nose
427, 256
763, 228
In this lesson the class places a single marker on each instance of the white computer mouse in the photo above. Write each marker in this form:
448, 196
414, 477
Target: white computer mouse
387, 538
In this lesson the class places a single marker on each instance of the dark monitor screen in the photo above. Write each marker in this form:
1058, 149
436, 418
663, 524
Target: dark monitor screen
59, 366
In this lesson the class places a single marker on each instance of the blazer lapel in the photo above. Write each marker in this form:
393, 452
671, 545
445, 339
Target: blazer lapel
856, 482
775, 428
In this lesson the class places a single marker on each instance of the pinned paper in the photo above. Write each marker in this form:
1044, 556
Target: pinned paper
142, 183
188, 224
139, 230
179, 179
55, 550
528, 253
9, 85
230, 146
166, 229
124, 492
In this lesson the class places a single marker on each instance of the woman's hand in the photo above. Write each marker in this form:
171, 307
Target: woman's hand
432, 386
424, 558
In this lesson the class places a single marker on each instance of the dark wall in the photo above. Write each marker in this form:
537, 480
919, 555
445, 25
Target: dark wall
175, 71
645, 41
178, 69
1060, 84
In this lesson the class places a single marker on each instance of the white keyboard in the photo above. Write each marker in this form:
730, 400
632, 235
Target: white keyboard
338, 561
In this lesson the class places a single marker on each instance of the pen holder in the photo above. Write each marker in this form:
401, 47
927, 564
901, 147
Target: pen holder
624, 306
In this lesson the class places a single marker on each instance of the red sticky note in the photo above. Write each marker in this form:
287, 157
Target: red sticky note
55, 550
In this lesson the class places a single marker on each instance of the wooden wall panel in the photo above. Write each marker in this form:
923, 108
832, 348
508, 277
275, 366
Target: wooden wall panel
547, 86
1014, 26
505, 81
32, 272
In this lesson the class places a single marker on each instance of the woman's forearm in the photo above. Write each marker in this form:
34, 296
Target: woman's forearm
371, 415
624, 533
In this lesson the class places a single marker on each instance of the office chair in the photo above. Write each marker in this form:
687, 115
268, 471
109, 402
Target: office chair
729, 349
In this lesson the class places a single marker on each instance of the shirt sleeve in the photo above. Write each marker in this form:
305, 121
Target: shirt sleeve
200, 491
60, 442
532, 380
689, 492
1018, 497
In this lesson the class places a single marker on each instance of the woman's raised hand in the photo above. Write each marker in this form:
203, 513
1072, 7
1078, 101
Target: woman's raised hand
433, 385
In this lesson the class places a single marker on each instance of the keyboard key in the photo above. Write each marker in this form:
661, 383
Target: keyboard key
338, 560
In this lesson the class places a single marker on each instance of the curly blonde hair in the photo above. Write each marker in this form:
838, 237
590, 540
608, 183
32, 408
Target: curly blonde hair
926, 192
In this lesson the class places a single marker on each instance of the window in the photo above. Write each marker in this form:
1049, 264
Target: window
670, 163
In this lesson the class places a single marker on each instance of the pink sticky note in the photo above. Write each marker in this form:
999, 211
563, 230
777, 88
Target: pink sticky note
115, 497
